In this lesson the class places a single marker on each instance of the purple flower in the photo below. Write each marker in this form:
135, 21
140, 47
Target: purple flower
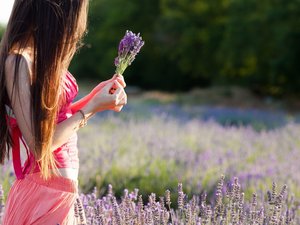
129, 47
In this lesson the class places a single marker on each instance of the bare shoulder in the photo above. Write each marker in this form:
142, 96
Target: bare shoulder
24, 69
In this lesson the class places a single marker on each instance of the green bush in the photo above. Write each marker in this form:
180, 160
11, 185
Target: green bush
198, 43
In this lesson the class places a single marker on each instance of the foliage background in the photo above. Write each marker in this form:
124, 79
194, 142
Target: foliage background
191, 44
198, 43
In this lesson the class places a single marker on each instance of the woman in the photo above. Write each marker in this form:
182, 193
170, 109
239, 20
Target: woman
36, 106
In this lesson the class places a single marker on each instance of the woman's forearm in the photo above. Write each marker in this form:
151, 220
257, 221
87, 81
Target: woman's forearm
83, 101
103, 100
65, 129
80, 103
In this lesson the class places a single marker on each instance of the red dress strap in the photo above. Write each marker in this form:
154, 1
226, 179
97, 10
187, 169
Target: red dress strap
20, 170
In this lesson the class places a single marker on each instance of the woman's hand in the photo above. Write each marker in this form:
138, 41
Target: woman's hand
111, 96
116, 77
83, 101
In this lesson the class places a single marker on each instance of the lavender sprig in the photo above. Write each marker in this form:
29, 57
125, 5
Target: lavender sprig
129, 47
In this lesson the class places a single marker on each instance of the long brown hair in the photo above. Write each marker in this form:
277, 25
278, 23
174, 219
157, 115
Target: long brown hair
55, 27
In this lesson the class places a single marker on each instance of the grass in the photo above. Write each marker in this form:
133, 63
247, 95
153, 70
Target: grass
160, 140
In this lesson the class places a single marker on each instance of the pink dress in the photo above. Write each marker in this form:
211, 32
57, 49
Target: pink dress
33, 201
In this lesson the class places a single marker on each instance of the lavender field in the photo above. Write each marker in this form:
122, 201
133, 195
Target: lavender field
158, 148
153, 147
229, 207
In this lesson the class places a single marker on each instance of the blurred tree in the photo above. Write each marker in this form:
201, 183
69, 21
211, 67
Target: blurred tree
198, 43
109, 19
259, 49
189, 32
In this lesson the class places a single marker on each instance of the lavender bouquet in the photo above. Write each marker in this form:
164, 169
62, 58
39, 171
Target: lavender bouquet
129, 47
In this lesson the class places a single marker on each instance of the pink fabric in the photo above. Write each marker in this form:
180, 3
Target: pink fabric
66, 155
33, 201
20, 170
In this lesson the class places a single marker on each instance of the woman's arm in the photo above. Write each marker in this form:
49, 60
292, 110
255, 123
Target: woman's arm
21, 98
65, 129
83, 101
102, 100
80, 103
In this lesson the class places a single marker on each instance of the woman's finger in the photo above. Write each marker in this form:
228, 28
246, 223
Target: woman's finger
118, 108
116, 77
107, 87
115, 86
121, 99
118, 88
124, 99
120, 79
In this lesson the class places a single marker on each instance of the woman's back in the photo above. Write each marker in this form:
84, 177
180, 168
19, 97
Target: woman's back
66, 155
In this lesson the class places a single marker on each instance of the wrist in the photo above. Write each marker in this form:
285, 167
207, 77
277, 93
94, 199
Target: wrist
88, 111
84, 119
